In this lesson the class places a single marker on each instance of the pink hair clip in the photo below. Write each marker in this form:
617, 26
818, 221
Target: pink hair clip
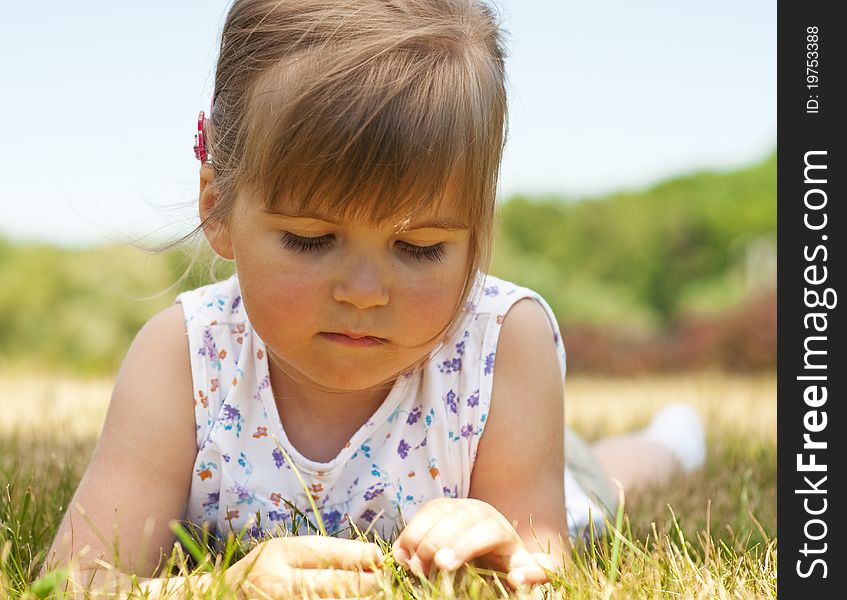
200, 139
200, 152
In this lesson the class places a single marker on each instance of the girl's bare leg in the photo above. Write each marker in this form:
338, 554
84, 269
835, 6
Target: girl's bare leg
673, 441
634, 462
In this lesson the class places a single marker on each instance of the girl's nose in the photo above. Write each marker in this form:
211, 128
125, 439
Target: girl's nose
362, 285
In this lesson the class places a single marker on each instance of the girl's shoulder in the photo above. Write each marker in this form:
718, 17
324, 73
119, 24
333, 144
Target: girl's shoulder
476, 337
495, 296
494, 293
487, 312
217, 303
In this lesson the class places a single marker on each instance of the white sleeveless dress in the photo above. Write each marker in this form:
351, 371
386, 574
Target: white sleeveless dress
420, 444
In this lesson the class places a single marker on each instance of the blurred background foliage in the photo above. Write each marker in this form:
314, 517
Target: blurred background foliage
679, 276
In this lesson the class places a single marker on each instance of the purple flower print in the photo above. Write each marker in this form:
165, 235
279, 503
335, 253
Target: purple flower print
473, 399
332, 519
373, 491
279, 459
491, 290
230, 412
235, 304
450, 366
467, 430
244, 495
212, 501
266, 382
368, 515
448, 493
454, 364
210, 349
414, 416
451, 401
403, 449
276, 515
231, 418
489, 364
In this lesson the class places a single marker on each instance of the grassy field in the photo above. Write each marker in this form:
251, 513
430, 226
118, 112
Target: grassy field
708, 535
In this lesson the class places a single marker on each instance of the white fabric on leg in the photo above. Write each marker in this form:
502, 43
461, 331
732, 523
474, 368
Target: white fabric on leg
679, 428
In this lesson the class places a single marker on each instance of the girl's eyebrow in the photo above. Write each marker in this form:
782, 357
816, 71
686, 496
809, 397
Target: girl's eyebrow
427, 224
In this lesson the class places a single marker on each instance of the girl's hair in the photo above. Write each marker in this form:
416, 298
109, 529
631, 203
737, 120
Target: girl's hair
362, 109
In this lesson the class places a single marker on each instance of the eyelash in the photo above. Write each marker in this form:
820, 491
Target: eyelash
434, 253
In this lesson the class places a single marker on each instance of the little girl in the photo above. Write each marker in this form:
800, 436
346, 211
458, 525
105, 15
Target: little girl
349, 169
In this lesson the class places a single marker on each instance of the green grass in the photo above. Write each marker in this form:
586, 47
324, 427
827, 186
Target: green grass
707, 535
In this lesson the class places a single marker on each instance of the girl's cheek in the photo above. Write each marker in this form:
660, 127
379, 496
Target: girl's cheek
293, 290
432, 304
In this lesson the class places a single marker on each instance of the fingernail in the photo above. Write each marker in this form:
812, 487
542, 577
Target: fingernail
400, 555
416, 566
446, 557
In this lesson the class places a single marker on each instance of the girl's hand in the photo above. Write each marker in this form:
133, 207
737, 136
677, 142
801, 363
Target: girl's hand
449, 532
327, 566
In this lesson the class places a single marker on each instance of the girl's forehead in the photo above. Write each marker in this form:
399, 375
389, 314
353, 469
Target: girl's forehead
438, 219
427, 209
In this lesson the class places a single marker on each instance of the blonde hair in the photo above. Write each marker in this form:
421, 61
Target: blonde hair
363, 109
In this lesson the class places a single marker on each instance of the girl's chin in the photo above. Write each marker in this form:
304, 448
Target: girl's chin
348, 379
354, 385
345, 376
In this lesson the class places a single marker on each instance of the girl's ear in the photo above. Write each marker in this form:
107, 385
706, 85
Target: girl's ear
217, 232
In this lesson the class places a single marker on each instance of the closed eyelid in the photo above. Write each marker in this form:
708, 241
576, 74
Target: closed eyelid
305, 244
438, 239
329, 236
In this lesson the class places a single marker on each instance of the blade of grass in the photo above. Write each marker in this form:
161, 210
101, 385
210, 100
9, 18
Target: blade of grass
616, 546
304, 486
202, 558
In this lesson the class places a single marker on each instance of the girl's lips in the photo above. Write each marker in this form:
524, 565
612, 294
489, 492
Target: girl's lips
362, 342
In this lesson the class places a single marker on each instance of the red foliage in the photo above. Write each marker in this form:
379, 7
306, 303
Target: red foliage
742, 339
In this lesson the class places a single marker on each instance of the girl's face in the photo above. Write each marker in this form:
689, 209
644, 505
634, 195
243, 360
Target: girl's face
306, 277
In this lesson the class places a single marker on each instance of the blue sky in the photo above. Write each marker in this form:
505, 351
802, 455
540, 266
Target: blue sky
100, 101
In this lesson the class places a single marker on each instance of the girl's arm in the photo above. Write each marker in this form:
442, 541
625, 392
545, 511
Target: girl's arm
139, 476
519, 467
518, 474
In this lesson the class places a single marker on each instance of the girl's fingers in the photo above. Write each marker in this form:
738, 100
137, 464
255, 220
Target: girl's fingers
527, 568
324, 583
440, 534
316, 551
426, 518
338, 583
485, 538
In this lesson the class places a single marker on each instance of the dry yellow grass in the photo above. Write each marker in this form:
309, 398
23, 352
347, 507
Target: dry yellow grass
52, 406
739, 404
594, 406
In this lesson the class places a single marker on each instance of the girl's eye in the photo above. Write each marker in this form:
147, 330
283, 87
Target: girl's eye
435, 253
303, 245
